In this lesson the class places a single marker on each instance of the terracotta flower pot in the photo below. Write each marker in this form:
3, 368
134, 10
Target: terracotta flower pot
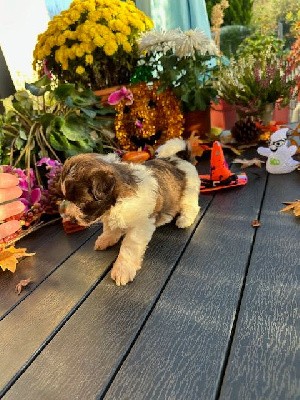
223, 115
197, 121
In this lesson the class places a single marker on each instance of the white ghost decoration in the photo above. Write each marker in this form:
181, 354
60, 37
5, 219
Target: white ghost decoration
279, 154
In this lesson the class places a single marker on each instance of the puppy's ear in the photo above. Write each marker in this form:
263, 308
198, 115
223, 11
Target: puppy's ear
103, 185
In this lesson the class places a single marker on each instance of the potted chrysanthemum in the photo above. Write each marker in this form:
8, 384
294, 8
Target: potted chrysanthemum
93, 43
182, 61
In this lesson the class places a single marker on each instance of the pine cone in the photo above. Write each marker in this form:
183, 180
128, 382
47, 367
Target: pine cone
245, 131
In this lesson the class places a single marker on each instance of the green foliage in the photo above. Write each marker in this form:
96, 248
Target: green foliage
265, 19
53, 122
231, 37
261, 46
239, 12
190, 79
251, 83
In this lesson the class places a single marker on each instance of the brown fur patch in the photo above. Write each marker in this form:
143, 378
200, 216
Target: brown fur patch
94, 185
171, 183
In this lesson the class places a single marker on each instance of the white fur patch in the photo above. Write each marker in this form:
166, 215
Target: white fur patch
170, 148
131, 211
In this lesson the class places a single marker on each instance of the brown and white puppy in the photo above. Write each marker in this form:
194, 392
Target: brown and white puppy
131, 200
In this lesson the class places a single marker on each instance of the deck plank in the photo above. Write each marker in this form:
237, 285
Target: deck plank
38, 268
182, 348
30, 325
84, 354
264, 360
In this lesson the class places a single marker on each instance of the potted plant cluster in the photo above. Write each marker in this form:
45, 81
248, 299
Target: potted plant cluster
184, 62
257, 78
93, 43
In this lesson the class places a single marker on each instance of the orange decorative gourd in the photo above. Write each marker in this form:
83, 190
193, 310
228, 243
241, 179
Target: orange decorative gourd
138, 156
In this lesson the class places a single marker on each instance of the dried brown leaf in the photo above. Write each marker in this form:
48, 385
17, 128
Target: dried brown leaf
248, 163
255, 223
23, 283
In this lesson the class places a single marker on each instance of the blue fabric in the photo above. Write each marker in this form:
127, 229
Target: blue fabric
55, 7
170, 14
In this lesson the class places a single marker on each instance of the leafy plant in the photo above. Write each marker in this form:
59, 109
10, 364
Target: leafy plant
181, 61
250, 84
59, 122
239, 12
231, 36
261, 46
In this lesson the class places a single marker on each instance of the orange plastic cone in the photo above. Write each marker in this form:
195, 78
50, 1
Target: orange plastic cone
219, 170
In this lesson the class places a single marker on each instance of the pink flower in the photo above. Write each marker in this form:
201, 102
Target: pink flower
120, 95
46, 70
138, 124
30, 198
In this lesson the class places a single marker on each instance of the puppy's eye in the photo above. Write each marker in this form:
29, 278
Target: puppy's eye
92, 195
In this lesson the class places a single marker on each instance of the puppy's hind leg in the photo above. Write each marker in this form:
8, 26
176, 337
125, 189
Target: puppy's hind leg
108, 238
189, 207
132, 252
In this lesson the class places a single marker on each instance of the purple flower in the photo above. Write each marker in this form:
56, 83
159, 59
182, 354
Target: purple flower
120, 95
31, 197
48, 161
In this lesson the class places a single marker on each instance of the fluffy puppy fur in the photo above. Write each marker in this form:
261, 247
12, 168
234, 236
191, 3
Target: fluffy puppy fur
131, 200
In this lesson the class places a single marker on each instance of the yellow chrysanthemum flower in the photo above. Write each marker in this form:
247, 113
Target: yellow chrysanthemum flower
91, 32
80, 70
110, 48
89, 59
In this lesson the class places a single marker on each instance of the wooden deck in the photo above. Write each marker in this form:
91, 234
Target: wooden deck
213, 314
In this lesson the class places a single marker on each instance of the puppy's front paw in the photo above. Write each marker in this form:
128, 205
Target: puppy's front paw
104, 241
122, 274
184, 221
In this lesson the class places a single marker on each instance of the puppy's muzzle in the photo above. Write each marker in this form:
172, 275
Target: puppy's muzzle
63, 210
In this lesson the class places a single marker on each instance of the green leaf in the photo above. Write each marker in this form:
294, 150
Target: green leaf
63, 91
90, 113
58, 141
22, 134
46, 119
74, 127
35, 90
19, 143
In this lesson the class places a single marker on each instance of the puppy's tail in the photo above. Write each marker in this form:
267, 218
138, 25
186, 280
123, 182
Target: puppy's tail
176, 147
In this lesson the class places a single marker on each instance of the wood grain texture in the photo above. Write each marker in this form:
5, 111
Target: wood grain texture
33, 321
265, 358
83, 356
43, 243
182, 348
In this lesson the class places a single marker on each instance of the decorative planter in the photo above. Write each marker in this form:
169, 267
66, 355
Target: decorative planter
267, 114
197, 121
281, 114
223, 115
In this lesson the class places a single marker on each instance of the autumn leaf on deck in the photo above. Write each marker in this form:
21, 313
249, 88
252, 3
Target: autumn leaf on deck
292, 206
247, 163
10, 256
